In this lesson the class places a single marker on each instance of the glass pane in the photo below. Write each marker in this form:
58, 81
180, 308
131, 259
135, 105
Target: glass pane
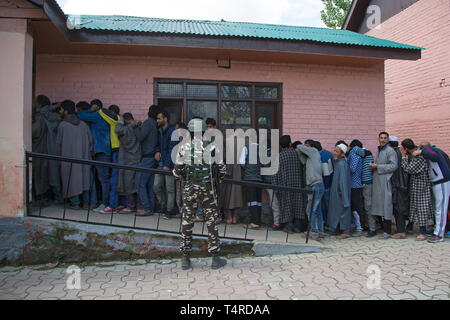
266, 93
173, 106
170, 90
236, 115
201, 91
265, 116
204, 109
235, 92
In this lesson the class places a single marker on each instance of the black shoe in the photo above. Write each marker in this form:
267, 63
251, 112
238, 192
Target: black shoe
167, 216
371, 234
186, 262
365, 229
296, 230
71, 207
145, 213
158, 208
288, 230
218, 262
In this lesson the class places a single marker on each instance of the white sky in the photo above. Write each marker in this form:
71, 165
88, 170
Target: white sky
288, 12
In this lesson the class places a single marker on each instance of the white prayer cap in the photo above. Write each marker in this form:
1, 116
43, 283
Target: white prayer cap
343, 147
393, 139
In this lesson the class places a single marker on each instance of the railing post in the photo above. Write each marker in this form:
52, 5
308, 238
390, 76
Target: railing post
27, 185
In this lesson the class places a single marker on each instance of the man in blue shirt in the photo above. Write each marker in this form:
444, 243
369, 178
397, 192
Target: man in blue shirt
102, 147
357, 205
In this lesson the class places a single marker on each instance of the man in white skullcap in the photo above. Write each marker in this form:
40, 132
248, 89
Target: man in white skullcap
339, 212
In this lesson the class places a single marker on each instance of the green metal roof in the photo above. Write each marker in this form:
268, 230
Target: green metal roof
230, 29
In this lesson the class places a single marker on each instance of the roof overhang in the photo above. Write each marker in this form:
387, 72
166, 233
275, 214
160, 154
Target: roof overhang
85, 36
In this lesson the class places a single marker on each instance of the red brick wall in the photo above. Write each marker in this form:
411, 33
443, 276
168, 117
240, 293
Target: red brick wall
416, 106
326, 103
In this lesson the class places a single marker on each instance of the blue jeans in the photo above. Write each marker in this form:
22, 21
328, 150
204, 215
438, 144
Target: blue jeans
356, 223
316, 216
113, 195
144, 184
103, 176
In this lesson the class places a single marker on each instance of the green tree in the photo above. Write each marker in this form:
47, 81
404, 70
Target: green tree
335, 12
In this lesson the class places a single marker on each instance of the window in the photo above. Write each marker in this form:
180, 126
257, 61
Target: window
232, 104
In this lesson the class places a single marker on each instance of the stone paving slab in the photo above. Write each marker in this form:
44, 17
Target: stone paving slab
408, 270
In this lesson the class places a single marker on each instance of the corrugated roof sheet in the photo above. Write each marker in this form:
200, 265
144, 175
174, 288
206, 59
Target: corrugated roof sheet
231, 29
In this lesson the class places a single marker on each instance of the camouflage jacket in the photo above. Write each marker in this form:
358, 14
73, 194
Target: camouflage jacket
194, 163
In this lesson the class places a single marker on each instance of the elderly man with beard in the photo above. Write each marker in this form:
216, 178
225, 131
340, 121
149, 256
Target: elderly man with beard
339, 211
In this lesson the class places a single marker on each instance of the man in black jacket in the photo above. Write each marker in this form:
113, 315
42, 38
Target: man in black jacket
147, 134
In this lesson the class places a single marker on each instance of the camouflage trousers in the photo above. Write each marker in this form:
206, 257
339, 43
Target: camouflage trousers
191, 196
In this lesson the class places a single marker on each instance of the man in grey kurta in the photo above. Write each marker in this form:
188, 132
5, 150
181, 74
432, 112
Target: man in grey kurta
129, 154
383, 169
74, 140
339, 212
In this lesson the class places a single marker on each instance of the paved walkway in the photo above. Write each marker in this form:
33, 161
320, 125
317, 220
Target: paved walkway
408, 270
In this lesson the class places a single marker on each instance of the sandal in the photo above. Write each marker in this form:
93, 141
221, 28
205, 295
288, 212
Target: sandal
384, 236
399, 236
252, 226
421, 237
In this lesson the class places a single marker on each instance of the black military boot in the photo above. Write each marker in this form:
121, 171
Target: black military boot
186, 262
217, 262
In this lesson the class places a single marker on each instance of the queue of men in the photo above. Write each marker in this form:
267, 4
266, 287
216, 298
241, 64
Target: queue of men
355, 191
407, 183
89, 131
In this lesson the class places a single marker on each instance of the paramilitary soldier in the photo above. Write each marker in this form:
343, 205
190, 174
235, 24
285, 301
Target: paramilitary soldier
194, 164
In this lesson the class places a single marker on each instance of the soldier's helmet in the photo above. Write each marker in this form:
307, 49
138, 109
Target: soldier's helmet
196, 125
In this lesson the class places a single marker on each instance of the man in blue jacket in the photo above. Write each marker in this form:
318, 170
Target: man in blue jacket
440, 180
102, 147
165, 130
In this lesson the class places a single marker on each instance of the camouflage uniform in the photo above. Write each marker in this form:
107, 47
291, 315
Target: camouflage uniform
199, 187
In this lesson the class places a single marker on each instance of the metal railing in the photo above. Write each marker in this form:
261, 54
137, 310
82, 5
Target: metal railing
30, 155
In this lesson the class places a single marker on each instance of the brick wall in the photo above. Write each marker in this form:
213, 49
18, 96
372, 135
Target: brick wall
416, 106
326, 103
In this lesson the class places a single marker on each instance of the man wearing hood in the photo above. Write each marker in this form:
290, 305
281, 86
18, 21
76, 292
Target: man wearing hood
74, 140
44, 128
